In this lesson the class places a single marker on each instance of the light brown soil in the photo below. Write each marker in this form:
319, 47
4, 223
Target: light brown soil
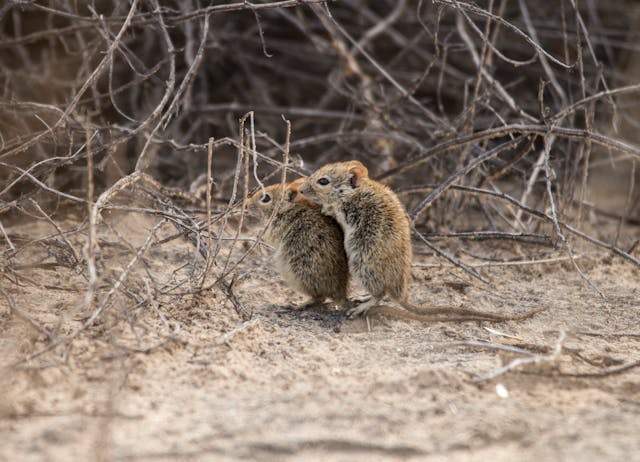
289, 384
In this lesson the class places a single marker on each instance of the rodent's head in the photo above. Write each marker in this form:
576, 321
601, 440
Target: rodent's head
265, 200
334, 182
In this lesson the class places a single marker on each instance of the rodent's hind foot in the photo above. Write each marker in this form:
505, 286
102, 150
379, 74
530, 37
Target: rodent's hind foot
362, 308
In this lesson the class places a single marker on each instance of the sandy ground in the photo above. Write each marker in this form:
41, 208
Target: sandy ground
187, 378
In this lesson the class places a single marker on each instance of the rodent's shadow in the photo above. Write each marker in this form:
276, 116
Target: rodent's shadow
322, 315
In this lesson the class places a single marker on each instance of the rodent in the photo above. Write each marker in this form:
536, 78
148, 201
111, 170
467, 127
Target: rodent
309, 253
377, 238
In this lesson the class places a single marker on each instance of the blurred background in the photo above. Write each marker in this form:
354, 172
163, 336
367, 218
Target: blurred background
546, 91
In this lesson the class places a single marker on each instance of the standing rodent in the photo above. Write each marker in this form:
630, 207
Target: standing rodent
377, 236
309, 246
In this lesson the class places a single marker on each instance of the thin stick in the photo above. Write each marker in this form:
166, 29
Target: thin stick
519, 362
6, 238
90, 245
490, 264
209, 260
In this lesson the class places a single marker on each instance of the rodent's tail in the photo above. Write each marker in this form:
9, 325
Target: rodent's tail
457, 312
402, 313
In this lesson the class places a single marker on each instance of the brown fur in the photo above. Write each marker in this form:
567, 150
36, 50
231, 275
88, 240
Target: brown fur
377, 236
309, 253
375, 226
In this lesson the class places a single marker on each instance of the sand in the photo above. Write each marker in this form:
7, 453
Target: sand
187, 378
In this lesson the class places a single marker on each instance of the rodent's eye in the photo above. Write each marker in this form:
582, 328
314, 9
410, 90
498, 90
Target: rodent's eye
323, 181
266, 198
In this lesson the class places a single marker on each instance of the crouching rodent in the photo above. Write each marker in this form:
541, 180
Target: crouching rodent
377, 237
309, 250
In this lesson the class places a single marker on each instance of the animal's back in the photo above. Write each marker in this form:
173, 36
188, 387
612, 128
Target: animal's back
313, 249
378, 240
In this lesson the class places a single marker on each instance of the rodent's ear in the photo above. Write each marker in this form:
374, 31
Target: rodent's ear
291, 195
358, 172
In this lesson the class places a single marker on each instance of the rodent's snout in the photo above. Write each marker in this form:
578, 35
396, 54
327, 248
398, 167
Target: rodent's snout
303, 189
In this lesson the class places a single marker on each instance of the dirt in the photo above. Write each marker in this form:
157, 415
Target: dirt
187, 378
